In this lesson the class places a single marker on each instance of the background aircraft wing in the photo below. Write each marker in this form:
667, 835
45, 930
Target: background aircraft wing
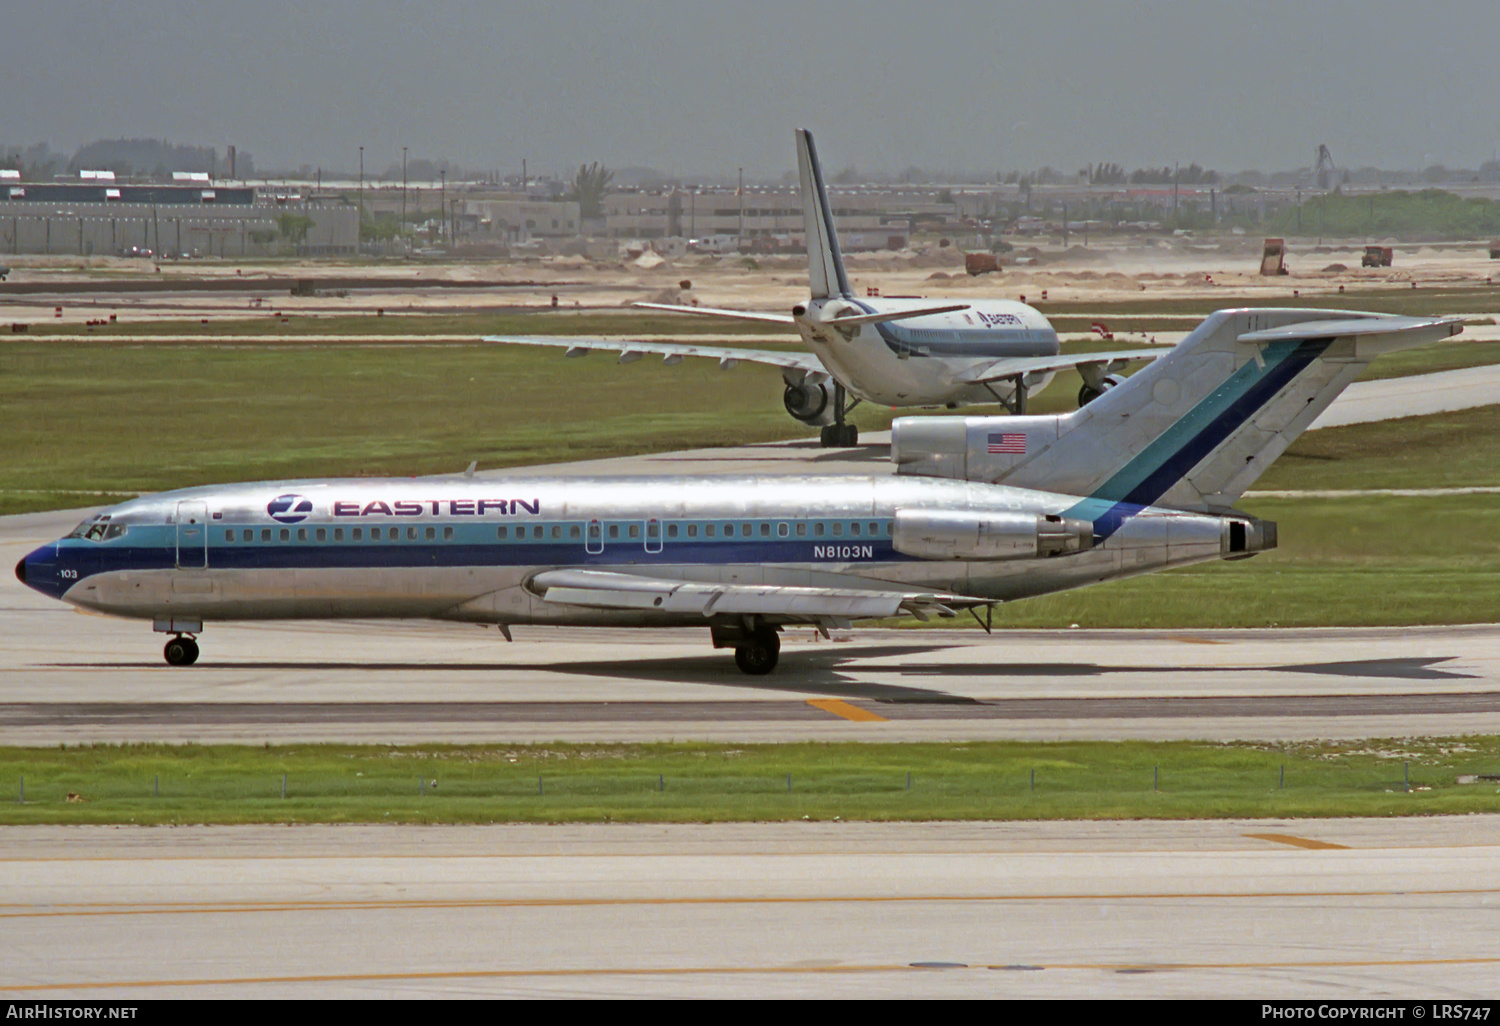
670, 352
1090, 363
600, 589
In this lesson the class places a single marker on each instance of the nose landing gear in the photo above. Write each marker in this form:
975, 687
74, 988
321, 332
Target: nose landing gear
181, 651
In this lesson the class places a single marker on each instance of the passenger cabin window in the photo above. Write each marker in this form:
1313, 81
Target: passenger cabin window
838, 529
338, 534
322, 534
614, 530
708, 529
447, 534
411, 534
557, 530
286, 534
229, 535
782, 531
692, 530
357, 533
818, 530
635, 530
247, 535
432, 534
302, 534
853, 529
575, 532
265, 534
765, 530
801, 530
374, 534
502, 532
671, 530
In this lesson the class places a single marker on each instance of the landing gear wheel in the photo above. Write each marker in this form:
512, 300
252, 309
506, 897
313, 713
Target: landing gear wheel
839, 436
181, 652
758, 656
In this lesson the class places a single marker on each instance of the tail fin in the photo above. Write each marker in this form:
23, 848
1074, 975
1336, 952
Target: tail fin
825, 266
1191, 431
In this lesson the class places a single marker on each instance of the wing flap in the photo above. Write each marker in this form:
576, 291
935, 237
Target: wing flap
598, 589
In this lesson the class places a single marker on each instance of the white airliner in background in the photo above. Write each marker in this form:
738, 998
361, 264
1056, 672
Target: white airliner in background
981, 510
894, 352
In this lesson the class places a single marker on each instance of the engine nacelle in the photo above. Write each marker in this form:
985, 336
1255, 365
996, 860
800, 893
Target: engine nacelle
964, 534
811, 401
1091, 391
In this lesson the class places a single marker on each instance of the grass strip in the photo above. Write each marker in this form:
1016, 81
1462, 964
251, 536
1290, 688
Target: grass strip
157, 784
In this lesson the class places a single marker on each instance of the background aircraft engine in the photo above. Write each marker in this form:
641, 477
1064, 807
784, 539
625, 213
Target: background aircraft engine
811, 402
962, 534
1088, 393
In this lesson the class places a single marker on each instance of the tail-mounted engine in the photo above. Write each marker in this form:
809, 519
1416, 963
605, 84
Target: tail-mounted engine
964, 534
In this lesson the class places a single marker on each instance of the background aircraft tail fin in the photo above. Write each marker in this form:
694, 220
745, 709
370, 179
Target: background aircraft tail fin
825, 265
1191, 431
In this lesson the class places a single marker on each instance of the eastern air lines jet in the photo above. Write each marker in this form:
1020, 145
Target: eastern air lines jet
895, 352
981, 510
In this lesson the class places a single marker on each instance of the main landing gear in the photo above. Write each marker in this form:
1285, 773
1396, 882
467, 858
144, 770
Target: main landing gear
757, 655
756, 644
181, 651
837, 435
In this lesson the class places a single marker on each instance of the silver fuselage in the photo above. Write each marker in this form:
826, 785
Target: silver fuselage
920, 361
466, 549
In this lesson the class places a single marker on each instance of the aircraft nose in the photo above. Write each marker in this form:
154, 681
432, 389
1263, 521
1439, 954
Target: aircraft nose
21, 571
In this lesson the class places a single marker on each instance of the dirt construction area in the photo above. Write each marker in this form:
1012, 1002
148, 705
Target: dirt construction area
74, 290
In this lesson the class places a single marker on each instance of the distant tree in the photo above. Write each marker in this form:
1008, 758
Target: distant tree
589, 189
945, 196
848, 176
294, 227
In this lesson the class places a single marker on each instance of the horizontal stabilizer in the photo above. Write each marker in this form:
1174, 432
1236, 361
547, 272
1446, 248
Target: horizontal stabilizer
901, 315
1351, 328
599, 589
713, 311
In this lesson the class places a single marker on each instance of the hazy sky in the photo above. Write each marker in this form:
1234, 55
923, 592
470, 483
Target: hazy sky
706, 86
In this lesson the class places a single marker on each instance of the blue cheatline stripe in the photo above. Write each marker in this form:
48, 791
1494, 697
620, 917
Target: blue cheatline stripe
1168, 459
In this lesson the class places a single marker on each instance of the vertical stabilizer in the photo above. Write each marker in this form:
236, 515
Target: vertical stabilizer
1191, 431
825, 266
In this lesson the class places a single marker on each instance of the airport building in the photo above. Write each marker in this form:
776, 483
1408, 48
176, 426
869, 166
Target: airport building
867, 219
199, 218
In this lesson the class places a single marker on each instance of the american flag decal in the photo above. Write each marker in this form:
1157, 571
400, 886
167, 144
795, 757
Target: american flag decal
1009, 443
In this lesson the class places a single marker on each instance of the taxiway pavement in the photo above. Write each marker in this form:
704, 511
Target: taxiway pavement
1262, 909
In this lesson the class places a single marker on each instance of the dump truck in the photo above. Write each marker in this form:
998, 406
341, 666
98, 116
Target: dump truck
1377, 256
1273, 257
981, 263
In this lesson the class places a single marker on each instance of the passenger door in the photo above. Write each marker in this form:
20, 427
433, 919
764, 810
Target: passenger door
192, 535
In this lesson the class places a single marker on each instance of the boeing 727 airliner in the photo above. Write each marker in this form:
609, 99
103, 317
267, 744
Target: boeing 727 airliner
895, 352
981, 510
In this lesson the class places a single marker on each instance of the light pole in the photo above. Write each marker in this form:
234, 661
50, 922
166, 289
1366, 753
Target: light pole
403, 199
358, 240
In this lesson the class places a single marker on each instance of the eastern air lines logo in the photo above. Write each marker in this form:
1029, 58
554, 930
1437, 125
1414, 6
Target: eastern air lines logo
289, 509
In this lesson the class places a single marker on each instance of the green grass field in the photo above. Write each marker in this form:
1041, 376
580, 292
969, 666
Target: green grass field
158, 784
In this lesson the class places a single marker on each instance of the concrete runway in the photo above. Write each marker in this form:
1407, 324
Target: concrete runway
1265, 910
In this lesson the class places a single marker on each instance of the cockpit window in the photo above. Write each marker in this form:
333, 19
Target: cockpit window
94, 529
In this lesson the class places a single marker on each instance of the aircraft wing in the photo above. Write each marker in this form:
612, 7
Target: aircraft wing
600, 589
1089, 363
670, 352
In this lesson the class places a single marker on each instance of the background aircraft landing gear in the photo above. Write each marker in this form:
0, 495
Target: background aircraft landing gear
839, 435
758, 653
181, 651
